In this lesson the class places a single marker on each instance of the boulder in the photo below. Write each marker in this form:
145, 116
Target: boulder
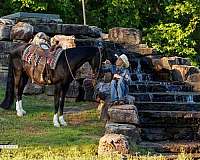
113, 143
6, 46
6, 21
123, 114
33, 89
22, 31
125, 35
142, 49
129, 130
68, 29
194, 77
179, 61
5, 31
185, 70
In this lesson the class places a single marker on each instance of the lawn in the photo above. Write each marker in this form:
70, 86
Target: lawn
36, 130
37, 138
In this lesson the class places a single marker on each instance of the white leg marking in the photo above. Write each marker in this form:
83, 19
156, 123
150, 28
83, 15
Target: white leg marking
19, 112
55, 120
62, 121
20, 105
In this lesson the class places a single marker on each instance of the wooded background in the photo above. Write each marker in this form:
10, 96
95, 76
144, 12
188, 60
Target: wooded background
170, 26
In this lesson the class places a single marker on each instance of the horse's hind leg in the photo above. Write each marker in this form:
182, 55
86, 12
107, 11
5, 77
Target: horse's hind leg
20, 82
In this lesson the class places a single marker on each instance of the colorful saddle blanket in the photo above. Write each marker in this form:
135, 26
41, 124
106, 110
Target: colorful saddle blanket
35, 55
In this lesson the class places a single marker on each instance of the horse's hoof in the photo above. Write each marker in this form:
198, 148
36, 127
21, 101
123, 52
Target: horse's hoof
56, 125
19, 114
23, 112
62, 121
64, 124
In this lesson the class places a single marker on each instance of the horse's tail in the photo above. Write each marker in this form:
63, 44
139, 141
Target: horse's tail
9, 96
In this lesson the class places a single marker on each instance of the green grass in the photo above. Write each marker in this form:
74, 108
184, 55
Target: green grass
37, 138
36, 128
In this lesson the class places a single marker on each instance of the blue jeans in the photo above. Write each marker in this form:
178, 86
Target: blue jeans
119, 90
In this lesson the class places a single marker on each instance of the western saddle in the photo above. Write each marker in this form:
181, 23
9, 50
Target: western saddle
43, 57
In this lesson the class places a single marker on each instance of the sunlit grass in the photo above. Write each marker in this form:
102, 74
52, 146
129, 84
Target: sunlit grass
37, 138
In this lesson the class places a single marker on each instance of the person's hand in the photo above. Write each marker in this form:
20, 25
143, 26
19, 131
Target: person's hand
107, 61
116, 76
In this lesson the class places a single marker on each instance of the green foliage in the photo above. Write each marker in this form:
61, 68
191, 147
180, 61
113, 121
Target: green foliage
170, 26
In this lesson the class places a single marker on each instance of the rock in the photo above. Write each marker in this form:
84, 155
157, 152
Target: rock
5, 32
176, 75
113, 143
34, 18
68, 29
33, 89
129, 130
73, 90
184, 70
194, 77
22, 31
89, 89
142, 49
6, 46
49, 90
123, 114
125, 35
85, 71
179, 61
6, 21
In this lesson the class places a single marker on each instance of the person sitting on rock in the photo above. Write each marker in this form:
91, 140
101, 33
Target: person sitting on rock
120, 80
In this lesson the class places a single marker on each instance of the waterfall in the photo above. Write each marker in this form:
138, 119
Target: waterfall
139, 71
190, 99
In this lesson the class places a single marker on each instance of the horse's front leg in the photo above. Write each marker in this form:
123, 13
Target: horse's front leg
57, 92
61, 107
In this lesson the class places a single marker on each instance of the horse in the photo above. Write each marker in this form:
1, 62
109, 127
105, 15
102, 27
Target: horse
69, 61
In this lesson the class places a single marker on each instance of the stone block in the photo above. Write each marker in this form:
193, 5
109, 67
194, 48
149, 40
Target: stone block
6, 22
123, 114
5, 32
129, 130
194, 77
22, 31
33, 89
184, 70
48, 28
6, 46
125, 35
142, 49
113, 143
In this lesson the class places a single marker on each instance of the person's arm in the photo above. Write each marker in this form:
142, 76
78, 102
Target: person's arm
126, 75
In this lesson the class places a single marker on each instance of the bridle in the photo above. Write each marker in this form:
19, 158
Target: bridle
99, 66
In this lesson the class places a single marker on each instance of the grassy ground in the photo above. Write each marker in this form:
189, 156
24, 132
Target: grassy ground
38, 139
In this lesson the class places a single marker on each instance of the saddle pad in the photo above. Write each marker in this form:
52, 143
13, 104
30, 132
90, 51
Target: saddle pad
53, 58
27, 55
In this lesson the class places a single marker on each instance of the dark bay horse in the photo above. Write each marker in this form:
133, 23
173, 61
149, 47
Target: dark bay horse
19, 72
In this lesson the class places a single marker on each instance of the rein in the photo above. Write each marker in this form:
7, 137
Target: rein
70, 70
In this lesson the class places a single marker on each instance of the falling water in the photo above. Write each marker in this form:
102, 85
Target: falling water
151, 97
190, 99
138, 71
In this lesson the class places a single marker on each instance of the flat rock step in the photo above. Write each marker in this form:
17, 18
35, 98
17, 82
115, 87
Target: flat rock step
170, 114
159, 87
173, 147
187, 97
167, 106
167, 93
